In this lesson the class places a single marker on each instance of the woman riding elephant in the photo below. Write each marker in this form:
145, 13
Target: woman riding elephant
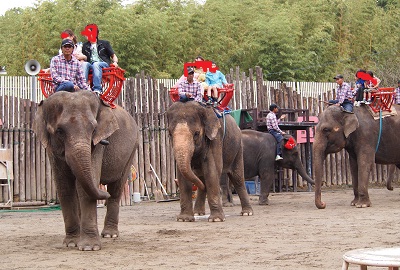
366, 140
88, 144
204, 148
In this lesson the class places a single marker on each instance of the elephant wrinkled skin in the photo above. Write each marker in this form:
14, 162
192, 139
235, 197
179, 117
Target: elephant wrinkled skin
358, 133
204, 148
259, 160
71, 127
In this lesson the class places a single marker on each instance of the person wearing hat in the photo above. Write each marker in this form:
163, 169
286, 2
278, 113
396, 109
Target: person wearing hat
66, 71
344, 95
397, 93
274, 130
189, 89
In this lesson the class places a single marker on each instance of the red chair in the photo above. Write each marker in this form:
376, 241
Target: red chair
382, 99
225, 95
112, 82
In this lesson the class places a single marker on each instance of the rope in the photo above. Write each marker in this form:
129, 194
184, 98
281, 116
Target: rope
380, 130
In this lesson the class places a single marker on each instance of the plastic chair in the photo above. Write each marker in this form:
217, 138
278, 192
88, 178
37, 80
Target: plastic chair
6, 174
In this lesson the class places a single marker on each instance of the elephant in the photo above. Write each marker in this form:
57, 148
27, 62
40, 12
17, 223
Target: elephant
88, 143
259, 160
367, 141
204, 147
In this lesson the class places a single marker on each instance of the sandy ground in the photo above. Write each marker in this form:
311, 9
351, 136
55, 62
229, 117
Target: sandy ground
290, 233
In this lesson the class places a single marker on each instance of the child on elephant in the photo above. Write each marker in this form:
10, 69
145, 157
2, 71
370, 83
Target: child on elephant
274, 130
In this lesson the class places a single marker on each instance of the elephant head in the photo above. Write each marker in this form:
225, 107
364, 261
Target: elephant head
70, 127
292, 158
191, 127
331, 136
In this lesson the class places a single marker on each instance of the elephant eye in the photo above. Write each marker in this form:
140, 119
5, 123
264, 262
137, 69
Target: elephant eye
59, 131
196, 135
326, 130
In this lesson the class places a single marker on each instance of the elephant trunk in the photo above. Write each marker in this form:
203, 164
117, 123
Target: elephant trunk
319, 158
78, 157
302, 171
183, 151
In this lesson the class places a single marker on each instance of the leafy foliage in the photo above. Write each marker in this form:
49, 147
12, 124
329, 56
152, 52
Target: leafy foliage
290, 39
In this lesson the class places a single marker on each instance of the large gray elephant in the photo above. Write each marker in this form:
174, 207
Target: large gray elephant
360, 135
259, 160
88, 144
204, 148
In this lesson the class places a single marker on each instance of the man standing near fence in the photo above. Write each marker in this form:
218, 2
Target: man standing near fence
66, 71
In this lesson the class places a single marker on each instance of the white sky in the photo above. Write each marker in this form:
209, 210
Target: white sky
8, 4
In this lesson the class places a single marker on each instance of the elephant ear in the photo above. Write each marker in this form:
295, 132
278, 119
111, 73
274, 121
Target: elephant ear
39, 126
350, 124
211, 123
107, 124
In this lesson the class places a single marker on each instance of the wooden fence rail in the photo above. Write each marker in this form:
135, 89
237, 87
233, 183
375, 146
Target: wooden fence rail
147, 100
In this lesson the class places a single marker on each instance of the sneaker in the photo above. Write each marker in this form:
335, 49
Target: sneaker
357, 103
209, 102
368, 102
278, 157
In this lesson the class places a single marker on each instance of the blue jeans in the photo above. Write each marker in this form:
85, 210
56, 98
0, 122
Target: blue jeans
65, 86
96, 68
184, 98
278, 137
347, 104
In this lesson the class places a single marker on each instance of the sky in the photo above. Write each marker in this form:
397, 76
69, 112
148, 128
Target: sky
8, 4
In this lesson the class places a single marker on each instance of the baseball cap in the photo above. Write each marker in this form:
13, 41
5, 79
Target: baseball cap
339, 76
190, 70
67, 41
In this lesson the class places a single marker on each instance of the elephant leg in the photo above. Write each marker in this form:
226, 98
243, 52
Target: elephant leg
237, 178
185, 187
110, 229
226, 191
200, 203
66, 190
266, 179
89, 237
391, 170
364, 170
212, 180
354, 176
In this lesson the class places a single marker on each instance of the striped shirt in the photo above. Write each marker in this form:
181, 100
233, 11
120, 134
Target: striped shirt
344, 92
272, 122
397, 95
63, 70
194, 89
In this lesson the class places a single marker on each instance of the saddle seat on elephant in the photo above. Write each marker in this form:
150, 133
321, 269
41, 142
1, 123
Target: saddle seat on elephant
112, 82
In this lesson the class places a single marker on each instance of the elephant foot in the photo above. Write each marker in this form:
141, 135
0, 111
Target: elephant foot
110, 233
220, 217
199, 213
71, 241
363, 205
89, 244
228, 204
263, 201
185, 218
247, 211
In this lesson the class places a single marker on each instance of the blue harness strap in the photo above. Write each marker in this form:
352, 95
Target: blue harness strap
380, 130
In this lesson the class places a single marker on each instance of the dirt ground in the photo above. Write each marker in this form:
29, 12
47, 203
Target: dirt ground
290, 233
